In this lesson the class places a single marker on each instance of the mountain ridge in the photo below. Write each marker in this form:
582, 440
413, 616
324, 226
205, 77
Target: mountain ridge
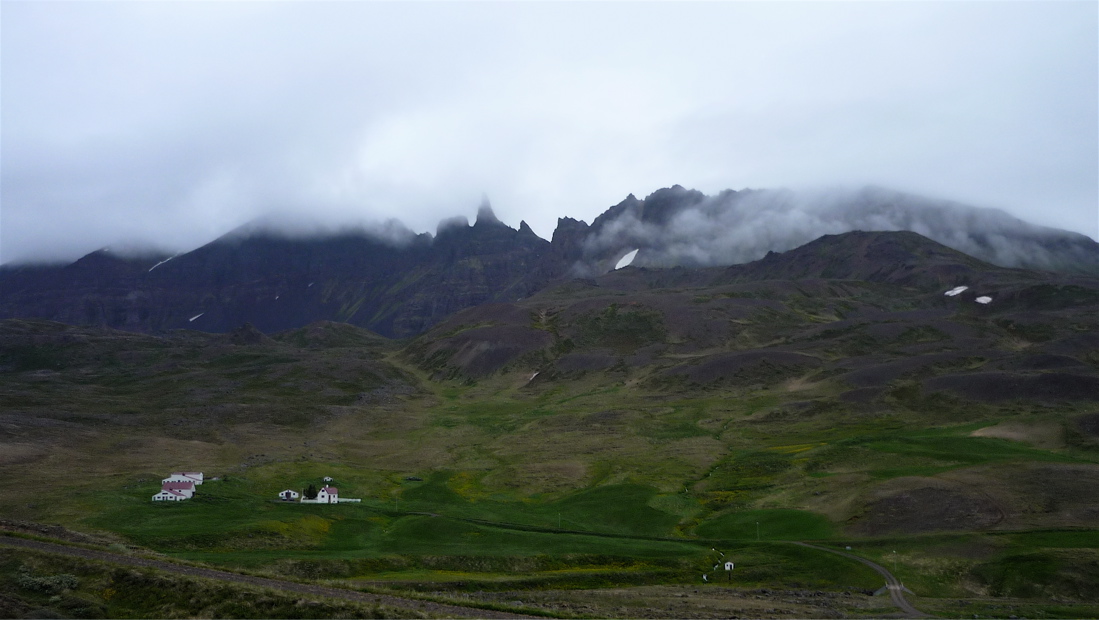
635, 315
839, 388
400, 283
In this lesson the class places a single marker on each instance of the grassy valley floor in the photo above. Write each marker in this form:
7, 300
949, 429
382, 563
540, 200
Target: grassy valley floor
589, 451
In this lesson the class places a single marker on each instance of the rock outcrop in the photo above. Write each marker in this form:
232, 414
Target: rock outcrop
400, 284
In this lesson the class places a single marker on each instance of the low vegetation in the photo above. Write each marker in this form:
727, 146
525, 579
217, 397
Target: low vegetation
637, 439
35, 587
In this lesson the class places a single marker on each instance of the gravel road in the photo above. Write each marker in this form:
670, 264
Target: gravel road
896, 593
895, 588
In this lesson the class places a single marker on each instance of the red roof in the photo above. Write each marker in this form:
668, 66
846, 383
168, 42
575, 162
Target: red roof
331, 490
178, 485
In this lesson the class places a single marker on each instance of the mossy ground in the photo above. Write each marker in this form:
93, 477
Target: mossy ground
606, 478
101, 590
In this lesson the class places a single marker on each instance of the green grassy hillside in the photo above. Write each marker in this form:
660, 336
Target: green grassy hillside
612, 433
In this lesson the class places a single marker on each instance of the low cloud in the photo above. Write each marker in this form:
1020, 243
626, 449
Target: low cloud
172, 123
677, 227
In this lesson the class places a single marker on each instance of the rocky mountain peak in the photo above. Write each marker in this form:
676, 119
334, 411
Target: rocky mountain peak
398, 284
450, 224
663, 204
898, 257
525, 229
485, 215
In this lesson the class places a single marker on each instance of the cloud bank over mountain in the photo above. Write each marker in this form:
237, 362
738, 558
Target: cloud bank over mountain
679, 227
170, 123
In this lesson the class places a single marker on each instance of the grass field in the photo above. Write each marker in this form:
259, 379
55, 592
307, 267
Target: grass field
608, 535
640, 504
773, 524
624, 476
51, 586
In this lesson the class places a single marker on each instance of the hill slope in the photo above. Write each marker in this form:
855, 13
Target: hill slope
605, 431
278, 282
399, 284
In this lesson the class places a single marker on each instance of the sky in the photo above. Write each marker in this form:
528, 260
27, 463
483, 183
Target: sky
170, 123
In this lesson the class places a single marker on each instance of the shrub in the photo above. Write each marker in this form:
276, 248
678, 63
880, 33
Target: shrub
49, 585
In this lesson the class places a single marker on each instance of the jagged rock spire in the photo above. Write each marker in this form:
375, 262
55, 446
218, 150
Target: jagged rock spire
484, 213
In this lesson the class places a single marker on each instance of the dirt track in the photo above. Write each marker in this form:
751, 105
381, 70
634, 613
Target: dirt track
427, 607
894, 586
896, 593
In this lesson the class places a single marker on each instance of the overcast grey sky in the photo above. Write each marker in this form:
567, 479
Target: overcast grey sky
173, 122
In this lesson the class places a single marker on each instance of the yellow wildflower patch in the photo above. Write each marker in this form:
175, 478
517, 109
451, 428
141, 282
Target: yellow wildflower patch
795, 448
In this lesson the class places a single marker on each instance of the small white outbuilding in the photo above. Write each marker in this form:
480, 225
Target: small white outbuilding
185, 476
288, 495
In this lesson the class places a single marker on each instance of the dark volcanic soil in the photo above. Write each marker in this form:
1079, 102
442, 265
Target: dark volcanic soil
747, 364
1089, 424
998, 386
926, 510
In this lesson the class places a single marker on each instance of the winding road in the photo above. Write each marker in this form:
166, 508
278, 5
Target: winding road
896, 590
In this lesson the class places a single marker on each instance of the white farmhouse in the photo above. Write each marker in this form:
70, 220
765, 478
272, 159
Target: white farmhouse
179, 486
185, 476
326, 495
288, 495
187, 488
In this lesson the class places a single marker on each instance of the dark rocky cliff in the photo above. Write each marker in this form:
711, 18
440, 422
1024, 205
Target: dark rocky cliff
400, 285
277, 282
